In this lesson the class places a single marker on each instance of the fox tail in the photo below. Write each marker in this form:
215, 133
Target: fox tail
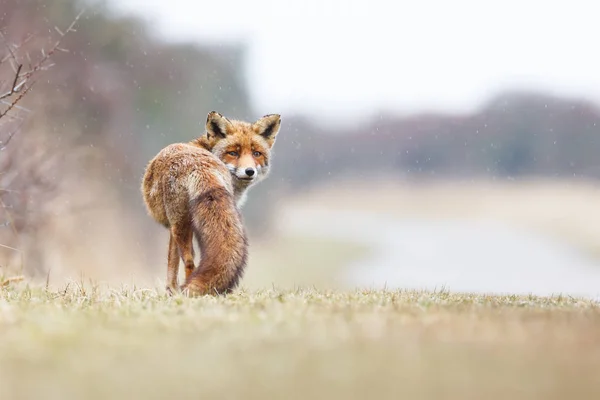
223, 242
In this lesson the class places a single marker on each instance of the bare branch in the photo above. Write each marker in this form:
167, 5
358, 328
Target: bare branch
14, 84
11, 54
52, 50
14, 103
24, 170
21, 79
5, 142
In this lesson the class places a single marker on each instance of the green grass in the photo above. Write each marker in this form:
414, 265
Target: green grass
101, 343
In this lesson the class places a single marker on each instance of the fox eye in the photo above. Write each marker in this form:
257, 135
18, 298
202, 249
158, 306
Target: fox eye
232, 153
257, 154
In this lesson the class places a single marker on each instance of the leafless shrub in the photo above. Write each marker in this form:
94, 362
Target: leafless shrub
28, 179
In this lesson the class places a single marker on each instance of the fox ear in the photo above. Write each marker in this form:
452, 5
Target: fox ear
268, 127
217, 126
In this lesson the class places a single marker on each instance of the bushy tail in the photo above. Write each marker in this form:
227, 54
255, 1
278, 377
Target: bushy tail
223, 243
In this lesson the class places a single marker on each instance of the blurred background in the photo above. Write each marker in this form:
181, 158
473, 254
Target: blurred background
424, 144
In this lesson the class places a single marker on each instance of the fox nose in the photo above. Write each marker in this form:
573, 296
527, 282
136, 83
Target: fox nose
249, 171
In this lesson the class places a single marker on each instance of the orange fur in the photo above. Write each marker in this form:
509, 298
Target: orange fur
241, 145
196, 188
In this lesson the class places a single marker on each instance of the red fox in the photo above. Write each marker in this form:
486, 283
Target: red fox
197, 188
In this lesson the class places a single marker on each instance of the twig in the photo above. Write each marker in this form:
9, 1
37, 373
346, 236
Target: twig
13, 89
14, 103
46, 56
20, 82
11, 54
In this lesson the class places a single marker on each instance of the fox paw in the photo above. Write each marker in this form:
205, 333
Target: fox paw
171, 290
189, 290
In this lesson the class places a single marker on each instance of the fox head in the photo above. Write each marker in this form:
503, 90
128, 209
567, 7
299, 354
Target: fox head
244, 147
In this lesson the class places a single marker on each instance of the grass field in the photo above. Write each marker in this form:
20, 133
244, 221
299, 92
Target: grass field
99, 342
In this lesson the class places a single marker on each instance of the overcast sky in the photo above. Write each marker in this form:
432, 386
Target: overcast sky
349, 58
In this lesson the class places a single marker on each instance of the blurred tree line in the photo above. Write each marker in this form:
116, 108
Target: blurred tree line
114, 96
513, 135
119, 95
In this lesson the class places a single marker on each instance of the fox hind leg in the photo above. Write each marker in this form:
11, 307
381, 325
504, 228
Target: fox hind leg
172, 265
188, 258
183, 236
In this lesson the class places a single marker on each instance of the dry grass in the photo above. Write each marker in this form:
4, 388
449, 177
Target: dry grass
98, 343
122, 343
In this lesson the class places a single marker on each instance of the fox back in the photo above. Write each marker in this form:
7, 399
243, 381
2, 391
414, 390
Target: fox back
176, 175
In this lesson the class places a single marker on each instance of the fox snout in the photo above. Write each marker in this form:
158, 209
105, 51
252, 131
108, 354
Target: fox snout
247, 173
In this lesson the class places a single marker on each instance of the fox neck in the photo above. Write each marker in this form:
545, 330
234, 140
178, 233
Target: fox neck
240, 187
202, 141
240, 191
